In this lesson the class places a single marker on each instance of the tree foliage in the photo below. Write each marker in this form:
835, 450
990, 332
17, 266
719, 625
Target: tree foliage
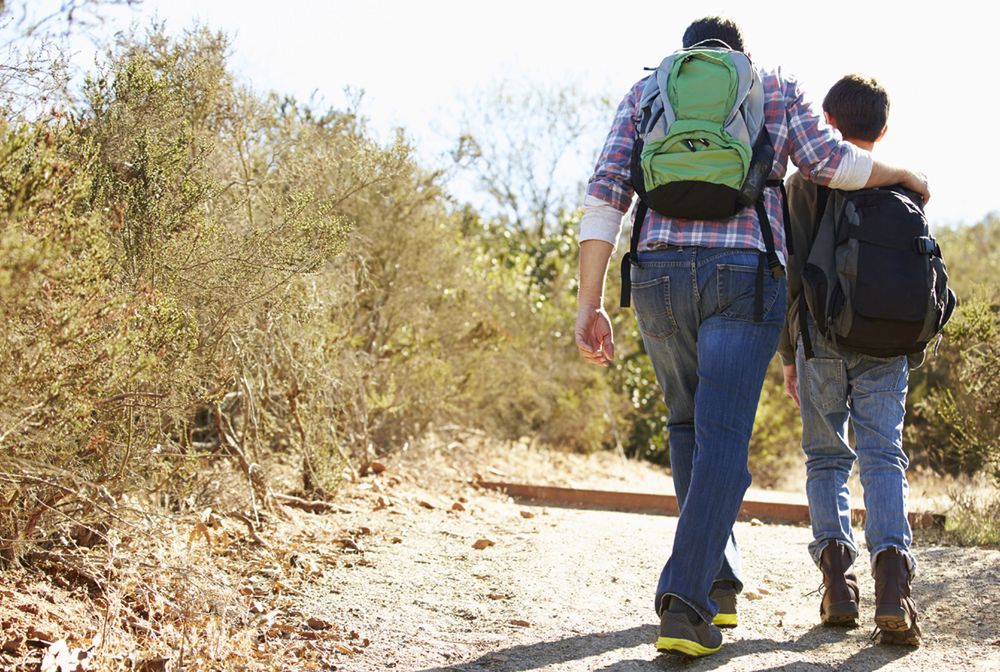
527, 147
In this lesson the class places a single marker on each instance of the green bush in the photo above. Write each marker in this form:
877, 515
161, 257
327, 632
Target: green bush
957, 420
776, 444
204, 287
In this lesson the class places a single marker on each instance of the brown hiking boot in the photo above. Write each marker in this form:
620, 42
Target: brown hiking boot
840, 587
895, 611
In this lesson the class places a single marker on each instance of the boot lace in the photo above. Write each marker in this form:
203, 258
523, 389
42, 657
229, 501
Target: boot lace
818, 591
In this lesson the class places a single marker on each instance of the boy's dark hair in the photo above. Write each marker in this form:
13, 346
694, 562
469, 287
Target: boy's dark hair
859, 105
714, 28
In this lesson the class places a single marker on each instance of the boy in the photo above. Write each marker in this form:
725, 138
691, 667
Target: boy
837, 386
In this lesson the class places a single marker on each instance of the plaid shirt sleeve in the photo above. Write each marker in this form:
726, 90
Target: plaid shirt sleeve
612, 181
816, 148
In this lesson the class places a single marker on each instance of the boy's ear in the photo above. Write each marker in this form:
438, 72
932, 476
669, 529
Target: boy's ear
882, 134
830, 120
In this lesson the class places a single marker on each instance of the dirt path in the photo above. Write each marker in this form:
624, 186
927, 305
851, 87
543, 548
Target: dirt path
569, 589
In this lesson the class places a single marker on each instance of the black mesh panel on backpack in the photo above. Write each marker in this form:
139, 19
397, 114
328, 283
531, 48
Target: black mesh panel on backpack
881, 288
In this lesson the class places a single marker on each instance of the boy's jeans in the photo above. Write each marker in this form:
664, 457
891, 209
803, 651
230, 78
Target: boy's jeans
695, 308
834, 387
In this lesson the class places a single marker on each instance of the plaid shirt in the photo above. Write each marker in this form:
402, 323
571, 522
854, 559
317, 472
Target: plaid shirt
798, 133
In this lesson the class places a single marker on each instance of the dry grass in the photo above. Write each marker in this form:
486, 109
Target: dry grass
193, 592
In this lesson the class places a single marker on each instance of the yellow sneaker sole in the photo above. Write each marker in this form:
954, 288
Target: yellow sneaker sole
685, 646
725, 620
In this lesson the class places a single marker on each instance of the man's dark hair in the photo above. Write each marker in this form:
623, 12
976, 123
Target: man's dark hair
860, 107
714, 28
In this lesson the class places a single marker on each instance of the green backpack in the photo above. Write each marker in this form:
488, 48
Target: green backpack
701, 149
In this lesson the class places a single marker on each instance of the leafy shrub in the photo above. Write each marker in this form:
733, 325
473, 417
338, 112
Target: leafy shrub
957, 421
211, 295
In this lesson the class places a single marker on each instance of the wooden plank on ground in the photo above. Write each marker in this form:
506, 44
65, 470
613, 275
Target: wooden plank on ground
638, 502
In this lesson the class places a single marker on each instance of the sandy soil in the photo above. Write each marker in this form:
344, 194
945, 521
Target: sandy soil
416, 569
571, 589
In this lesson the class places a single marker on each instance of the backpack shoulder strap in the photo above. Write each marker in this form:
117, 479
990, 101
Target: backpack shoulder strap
822, 199
632, 256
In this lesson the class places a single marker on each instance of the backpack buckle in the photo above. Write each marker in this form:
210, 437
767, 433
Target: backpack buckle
925, 245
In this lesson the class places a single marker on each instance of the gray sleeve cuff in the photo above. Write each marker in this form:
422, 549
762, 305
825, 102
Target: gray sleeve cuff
600, 221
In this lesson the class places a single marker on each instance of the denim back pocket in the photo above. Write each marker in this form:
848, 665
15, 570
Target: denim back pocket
826, 379
737, 287
651, 300
874, 375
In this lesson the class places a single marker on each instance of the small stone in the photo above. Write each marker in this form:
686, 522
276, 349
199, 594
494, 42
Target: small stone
13, 646
318, 623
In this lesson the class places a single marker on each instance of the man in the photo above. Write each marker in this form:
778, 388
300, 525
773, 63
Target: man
838, 386
695, 292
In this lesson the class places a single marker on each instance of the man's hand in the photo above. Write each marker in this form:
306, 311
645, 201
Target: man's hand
917, 182
594, 337
791, 383
884, 175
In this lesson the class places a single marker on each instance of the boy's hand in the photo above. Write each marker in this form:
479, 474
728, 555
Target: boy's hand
594, 337
791, 383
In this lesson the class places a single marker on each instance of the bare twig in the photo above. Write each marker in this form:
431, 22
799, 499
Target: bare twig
73, 570
251, 528
131, 395
312, 506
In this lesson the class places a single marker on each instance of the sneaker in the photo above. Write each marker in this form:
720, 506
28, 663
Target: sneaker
683, 631
839, 605
895, 611
724, 593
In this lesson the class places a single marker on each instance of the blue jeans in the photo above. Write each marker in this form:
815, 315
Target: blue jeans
695, 308
837, 386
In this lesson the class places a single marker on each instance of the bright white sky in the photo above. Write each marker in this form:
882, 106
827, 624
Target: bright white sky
415, 59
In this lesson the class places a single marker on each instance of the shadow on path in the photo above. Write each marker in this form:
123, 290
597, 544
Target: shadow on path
868, 657
533, 656
526, 657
